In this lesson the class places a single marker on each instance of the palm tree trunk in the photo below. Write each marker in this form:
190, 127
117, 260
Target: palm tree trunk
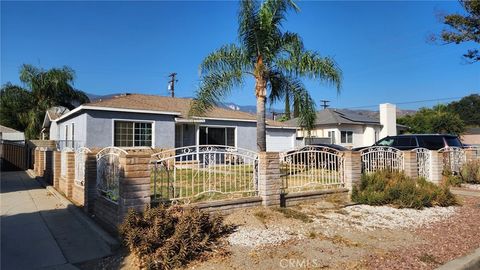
260, 90
287, 107
296, 109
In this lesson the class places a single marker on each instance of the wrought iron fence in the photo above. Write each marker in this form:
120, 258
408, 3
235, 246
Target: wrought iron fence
80, 155
63, 161
423, 157
207, 172
453, 158
108, 171
312, 167
69, 144
377, 158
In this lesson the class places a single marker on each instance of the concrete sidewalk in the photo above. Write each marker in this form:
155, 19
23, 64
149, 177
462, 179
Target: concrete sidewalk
38, 231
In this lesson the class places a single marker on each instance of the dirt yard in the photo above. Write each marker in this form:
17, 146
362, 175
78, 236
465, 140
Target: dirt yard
326, 235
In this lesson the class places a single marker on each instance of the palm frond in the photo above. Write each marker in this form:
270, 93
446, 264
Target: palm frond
248, 27
228, 58
214, 87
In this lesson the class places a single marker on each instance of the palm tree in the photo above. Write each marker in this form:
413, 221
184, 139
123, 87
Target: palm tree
24, 108
263, 54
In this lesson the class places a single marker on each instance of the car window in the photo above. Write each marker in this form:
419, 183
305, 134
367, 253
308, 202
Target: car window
453, 141
405, 141
432, 142
386, 142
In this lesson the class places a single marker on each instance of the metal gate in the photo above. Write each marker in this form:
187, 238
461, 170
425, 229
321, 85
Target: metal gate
312, 167
423, 157
453, 158
80, 155
207, 172
108, 172
377, 158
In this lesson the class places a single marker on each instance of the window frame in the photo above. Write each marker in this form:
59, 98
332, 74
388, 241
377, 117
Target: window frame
219, 126
346, 137
133, 121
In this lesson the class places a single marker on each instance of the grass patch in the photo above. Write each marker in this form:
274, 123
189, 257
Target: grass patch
395, 188
290, 213
262, 216
170, 237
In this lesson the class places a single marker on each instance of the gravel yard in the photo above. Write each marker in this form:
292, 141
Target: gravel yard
323, 235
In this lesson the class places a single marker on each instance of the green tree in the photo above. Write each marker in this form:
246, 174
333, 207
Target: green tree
24, 108
464, 28
468, 108
261, 54
439, 119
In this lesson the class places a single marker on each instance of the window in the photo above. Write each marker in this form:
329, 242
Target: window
132, 134
432, 142
346, 137
217, 135
73, 133
385, 142
331, 135
406, 141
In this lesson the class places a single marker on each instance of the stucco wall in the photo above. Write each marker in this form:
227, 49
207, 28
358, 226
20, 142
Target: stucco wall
53, 133
79, 130
100, 127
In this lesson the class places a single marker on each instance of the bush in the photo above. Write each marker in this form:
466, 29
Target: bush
397, 189
169, 237
470, 172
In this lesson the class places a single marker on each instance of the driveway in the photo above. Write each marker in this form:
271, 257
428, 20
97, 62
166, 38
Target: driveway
38, 231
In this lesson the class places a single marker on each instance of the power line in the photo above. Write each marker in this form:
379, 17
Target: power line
325, 103
407, 102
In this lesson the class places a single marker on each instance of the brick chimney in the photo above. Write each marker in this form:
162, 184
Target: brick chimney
388, 120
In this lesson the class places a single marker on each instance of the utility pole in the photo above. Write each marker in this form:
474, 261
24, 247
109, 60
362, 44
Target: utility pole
325, 103
171, 83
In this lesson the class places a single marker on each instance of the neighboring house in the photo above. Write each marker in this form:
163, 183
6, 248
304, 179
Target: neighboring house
10, 134
471, 136
351, 129
49, 126
134, 120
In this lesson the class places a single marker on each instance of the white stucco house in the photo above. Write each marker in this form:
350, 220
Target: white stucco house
135, 120
350, 129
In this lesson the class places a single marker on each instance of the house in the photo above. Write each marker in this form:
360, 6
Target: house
471, 136
10, 134
51, 115
351, 129
136, 120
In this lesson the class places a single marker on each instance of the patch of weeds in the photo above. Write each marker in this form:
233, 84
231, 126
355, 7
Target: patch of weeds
335, 199
312, 235
428, 258
341, 212
262, 216
290, 213
399, 190
338, 239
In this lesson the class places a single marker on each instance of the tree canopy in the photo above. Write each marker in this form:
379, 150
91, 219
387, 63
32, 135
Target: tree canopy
468, 108
439, 119
23, 108
464, 28
264, 53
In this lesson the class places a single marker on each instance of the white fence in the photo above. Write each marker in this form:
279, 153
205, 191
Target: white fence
312, 167
424, 162
453, 158
80, 155
108, 171
377, 158
207, 172
63, 161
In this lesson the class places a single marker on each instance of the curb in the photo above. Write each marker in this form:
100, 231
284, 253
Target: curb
468, 262
111, 242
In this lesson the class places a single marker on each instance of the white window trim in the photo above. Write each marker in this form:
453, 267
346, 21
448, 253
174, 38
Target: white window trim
218, 126
133, 121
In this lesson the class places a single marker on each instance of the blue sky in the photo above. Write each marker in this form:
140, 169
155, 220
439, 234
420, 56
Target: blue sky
132, 47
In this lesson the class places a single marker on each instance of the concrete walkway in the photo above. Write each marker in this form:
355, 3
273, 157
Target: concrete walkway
38, 231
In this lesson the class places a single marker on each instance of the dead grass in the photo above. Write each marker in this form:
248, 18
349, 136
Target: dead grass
262, 216
290, 213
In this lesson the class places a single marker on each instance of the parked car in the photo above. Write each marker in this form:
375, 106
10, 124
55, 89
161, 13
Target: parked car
412, 141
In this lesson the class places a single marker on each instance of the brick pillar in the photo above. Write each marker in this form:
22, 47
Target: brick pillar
436, 167
90, 181
35, 160
134, 184
70, 174
471, 154
410, 164
41, 162
56, 168
269, 182
353, 169
48, 170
